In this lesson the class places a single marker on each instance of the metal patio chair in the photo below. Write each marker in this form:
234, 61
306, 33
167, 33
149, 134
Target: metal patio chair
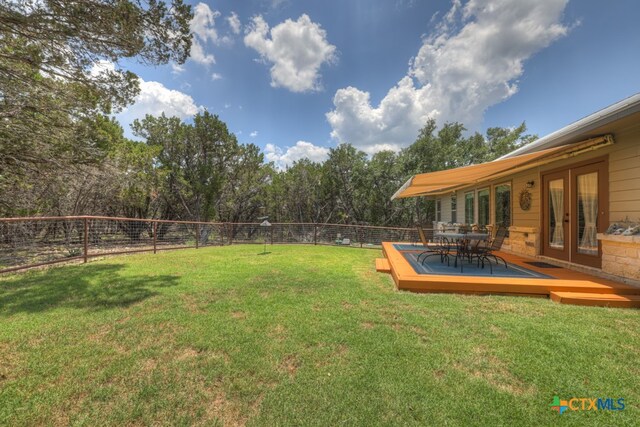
485, 252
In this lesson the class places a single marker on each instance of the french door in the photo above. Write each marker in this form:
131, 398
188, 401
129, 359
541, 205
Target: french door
574, 209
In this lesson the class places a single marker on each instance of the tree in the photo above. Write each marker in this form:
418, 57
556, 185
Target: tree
501, 141
194, 162
50, 88
296, 194
245, 184
342, 182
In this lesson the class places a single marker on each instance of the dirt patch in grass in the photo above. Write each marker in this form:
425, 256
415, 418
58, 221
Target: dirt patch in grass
239, 315
191, 304
8, 362
187, 353
290, 364
367, 325
334, 356
148, 365
421, 333
99, 335
487, 367
220, 410
489, 304
438, 374
278, 333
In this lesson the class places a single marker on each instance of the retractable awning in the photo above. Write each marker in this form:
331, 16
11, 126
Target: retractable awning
440, 182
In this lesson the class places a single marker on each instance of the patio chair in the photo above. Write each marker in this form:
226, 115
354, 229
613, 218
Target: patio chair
425, 238
485, 252
440, 248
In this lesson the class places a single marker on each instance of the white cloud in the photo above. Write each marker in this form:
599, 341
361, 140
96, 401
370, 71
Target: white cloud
203, 27
284, 158
155, 99
216, 76
253, 134
199, 55
234, 23
203, 23
297, 50
177, 68
469, 63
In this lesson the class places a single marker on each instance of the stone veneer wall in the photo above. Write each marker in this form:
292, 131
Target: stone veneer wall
621, 255
524, 240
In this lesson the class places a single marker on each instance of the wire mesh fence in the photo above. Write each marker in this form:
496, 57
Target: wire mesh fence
36, 241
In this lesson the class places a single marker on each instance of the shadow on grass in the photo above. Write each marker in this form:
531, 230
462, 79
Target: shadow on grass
92, 287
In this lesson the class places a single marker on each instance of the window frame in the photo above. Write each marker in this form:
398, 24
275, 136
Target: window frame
470, 219
488, 190
495, 200
454, 208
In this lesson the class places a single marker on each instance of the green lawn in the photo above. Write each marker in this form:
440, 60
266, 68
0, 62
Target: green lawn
300, 336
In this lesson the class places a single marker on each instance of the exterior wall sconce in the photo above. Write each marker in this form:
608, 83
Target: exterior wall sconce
531, 184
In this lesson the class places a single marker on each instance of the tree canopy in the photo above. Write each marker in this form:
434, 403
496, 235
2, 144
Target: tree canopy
59, 74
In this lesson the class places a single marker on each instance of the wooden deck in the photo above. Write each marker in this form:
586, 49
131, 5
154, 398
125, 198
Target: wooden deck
566, 286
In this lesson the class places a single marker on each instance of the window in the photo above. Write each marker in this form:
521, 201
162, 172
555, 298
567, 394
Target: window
483, 207
454, 209
438, 210
469, 208
503, 205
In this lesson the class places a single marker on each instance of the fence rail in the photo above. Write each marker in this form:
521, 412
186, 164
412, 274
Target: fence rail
35, 241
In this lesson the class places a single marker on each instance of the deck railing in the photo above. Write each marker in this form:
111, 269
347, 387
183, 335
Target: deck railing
35, 241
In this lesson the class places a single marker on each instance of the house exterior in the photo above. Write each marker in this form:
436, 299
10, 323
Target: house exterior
557, 196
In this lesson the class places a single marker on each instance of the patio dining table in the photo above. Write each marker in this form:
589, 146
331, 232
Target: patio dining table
461, 241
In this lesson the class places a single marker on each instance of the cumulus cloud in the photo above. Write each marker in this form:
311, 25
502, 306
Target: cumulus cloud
253, 134
234, 23
154, 98
216, 76
296, 50
471, 61
302, 150
205, 34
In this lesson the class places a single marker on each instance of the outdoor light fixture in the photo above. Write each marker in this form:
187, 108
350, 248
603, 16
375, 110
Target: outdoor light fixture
530, 184
266, 224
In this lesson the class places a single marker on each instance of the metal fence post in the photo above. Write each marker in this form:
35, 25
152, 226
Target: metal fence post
86, 240
197, 234
155, 235
315, 233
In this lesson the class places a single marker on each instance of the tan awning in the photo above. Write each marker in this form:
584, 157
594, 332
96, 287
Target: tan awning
434, 183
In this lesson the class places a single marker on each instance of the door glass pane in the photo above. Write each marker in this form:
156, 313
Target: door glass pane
587, 213
469, 208
503, 205
483, 207
454, 209
556, 213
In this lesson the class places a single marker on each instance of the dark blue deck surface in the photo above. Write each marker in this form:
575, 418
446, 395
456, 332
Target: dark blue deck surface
432, 265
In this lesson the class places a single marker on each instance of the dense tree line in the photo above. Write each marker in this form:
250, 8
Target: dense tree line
199, 171
62, 154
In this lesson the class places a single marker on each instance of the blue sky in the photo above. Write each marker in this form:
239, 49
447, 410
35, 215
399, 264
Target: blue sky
297, 77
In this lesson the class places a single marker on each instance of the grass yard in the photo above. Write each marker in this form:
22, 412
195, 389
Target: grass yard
300, 336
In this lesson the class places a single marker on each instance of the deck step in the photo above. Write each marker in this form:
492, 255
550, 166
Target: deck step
382, 265
596, 300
